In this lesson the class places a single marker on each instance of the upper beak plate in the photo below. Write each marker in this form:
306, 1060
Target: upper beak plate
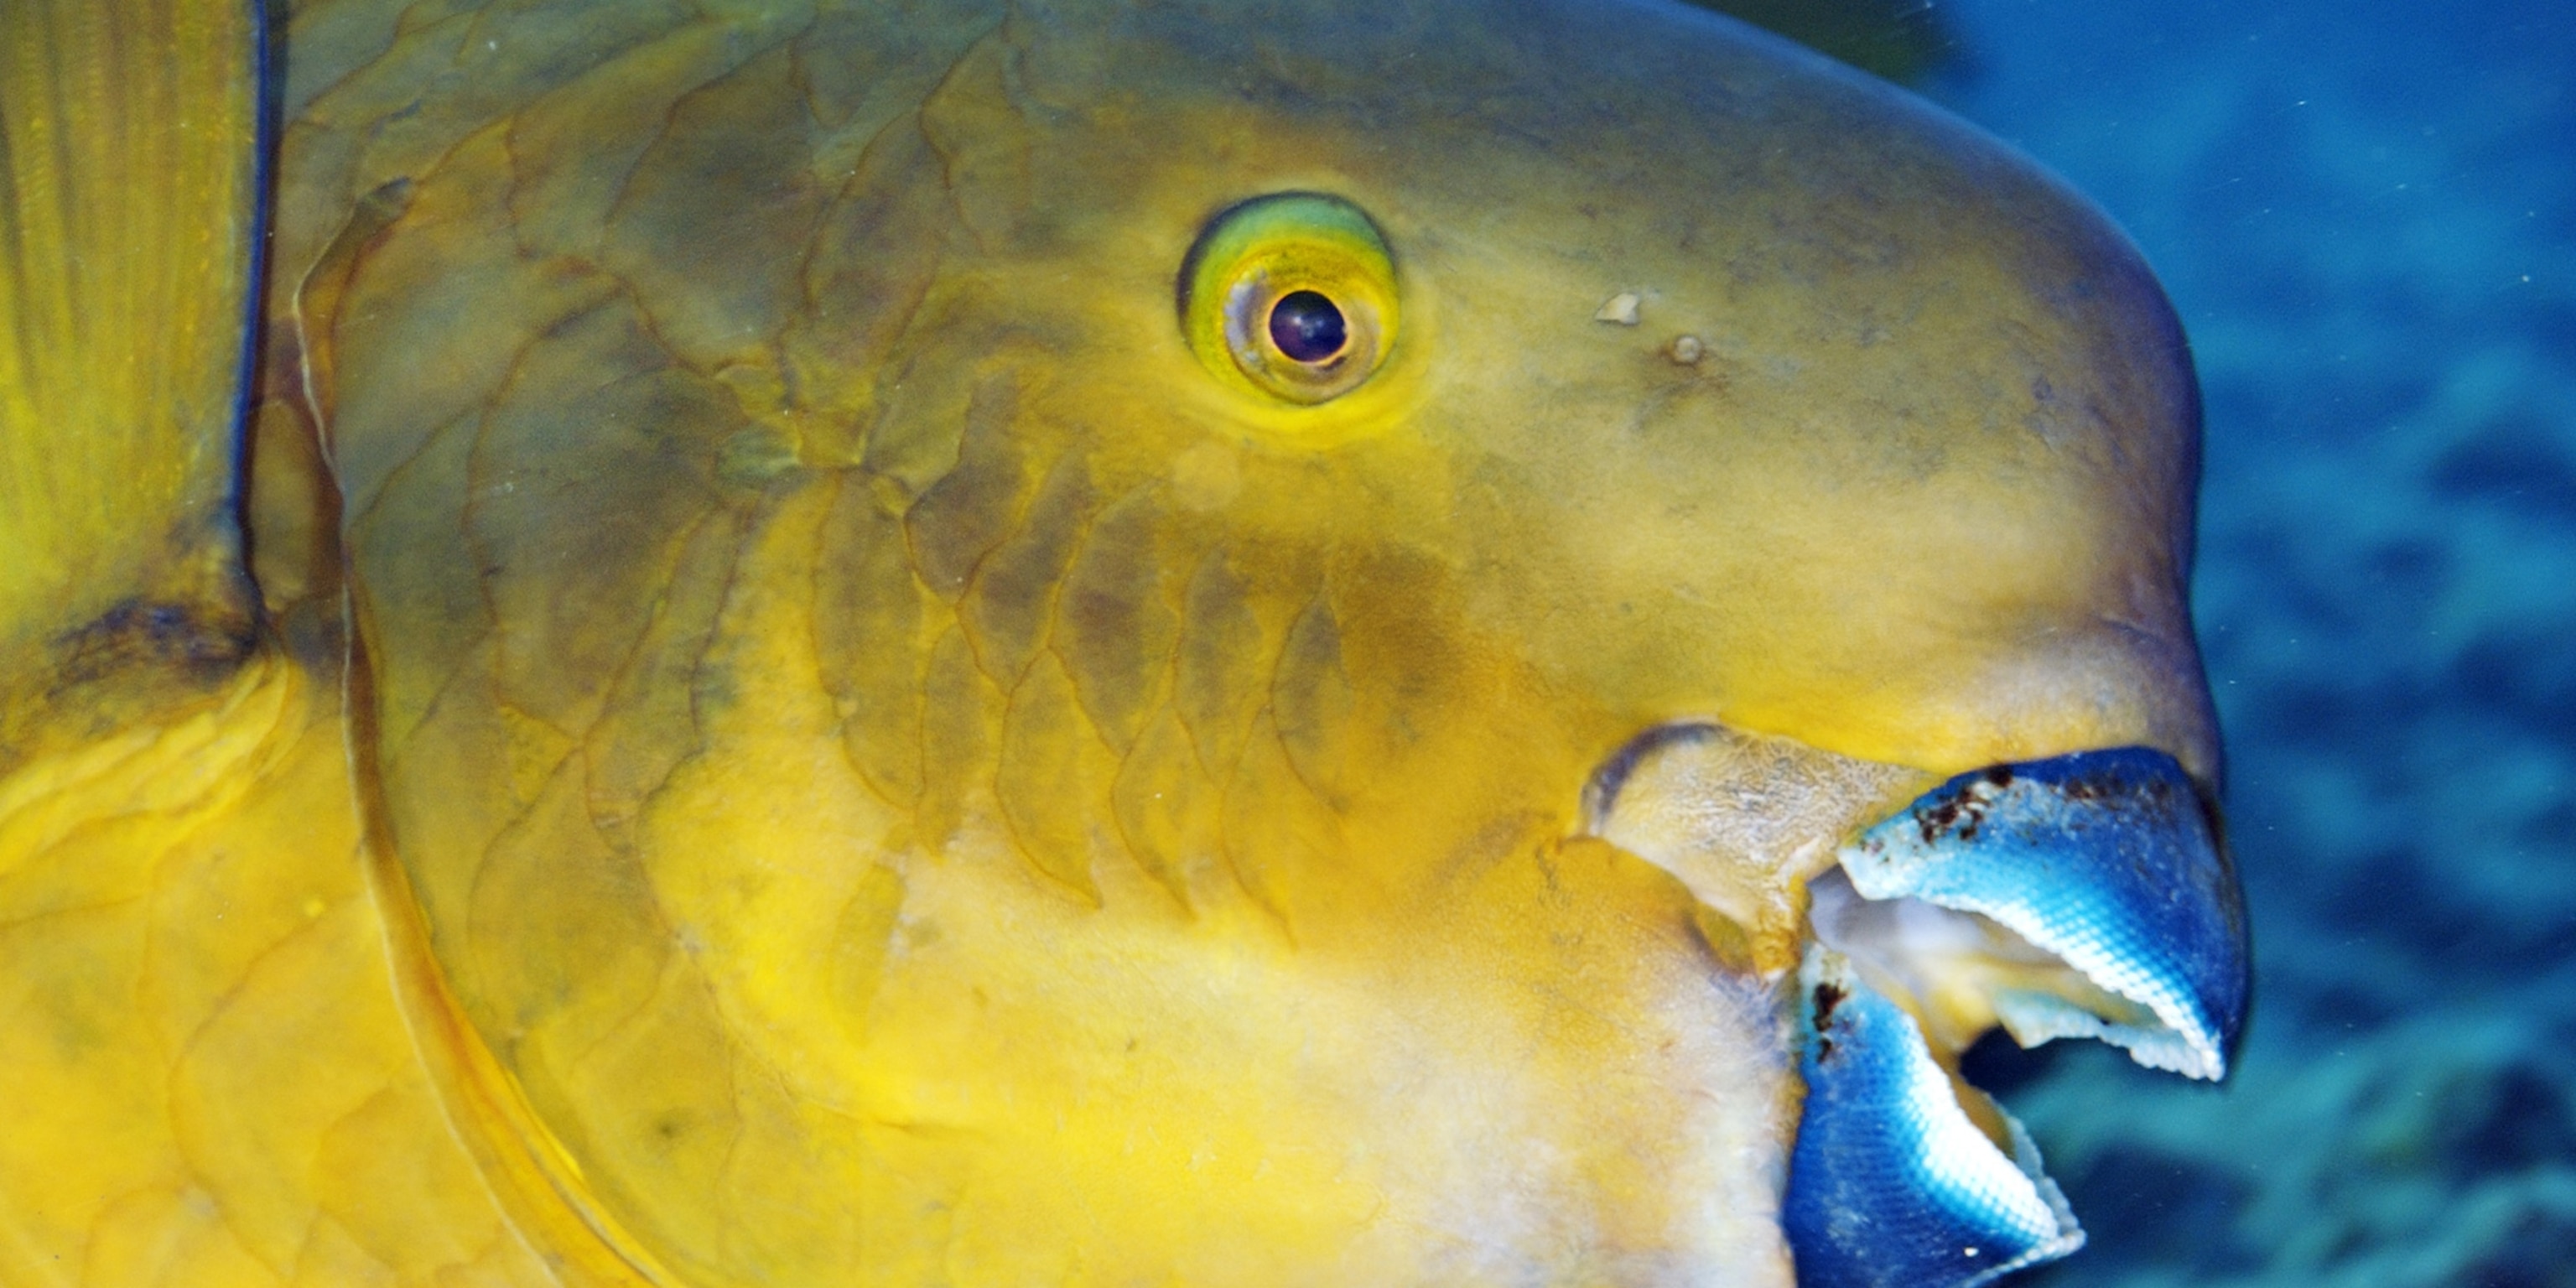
2107, 860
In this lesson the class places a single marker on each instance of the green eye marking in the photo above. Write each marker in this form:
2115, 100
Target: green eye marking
1290, 297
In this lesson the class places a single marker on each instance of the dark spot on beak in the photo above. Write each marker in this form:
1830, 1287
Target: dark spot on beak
1828, 996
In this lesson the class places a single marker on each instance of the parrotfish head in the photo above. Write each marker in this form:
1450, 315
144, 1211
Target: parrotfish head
1373, 642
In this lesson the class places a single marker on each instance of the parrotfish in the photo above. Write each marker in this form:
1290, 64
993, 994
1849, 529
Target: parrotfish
774, 642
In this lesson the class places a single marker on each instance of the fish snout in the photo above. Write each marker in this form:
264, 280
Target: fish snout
2084, 895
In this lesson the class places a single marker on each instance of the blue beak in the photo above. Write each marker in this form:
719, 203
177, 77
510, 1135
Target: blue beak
2085, 896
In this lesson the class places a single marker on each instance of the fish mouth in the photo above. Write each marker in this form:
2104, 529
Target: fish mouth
2087, 895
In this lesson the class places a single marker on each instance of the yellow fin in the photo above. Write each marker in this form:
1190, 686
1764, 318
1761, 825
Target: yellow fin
129, 211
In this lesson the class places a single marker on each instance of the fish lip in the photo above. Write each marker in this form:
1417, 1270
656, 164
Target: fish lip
1601, 791
1743, 820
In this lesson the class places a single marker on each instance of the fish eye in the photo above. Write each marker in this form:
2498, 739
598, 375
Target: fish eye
1291, 297
1307, 326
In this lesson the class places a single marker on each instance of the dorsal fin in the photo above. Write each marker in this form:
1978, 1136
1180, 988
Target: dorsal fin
131, 145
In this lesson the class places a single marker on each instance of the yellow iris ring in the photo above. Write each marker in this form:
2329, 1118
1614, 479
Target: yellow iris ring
1263, 250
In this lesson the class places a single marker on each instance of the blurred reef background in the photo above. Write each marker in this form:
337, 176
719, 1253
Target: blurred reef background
2366, 214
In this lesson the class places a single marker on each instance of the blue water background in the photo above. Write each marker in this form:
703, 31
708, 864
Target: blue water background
2366, 215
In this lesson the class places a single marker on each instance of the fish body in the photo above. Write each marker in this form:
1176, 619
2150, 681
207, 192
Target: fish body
1089, 641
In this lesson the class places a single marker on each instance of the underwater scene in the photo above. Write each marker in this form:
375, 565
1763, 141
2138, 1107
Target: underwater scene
1287, 642
2366, 216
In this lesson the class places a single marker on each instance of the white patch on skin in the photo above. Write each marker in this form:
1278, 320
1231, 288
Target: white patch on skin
1738, 1164
1620, 308
1685, 350
1454, 1153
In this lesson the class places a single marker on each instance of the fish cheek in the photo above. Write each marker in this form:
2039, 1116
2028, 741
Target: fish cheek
1115, 625
873, 257
701, 221
762, 853
586, 474
674, 946
1315, 708
574, 981
1053, 781
969, 504
541, 585
869, 615
492, 655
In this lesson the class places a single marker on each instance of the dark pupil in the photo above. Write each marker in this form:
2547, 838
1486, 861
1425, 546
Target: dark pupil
1306, 326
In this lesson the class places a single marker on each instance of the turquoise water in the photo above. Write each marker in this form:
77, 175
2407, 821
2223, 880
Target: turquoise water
2366, 215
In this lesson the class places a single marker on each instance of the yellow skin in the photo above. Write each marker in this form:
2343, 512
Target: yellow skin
799, 731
